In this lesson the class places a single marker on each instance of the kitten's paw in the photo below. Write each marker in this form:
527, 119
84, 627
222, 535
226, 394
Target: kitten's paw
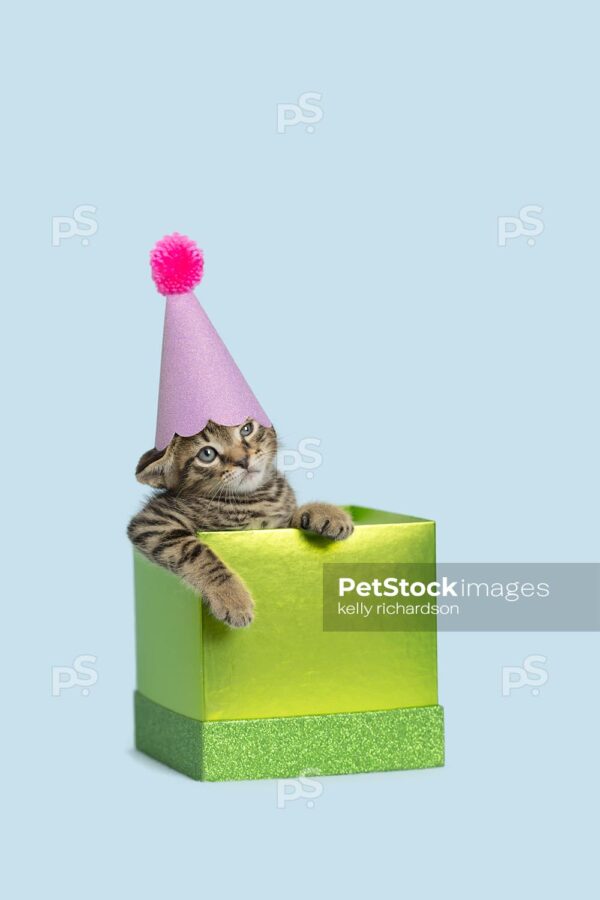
231, 603
322, 518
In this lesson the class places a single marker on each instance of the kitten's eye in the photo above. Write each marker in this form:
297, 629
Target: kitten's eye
246, 429
207, 454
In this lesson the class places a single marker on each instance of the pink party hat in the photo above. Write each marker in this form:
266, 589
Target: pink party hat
199, 379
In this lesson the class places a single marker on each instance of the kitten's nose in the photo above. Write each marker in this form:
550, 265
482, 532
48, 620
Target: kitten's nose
244, 462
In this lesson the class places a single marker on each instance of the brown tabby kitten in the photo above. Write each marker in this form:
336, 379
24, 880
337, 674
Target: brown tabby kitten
223, 479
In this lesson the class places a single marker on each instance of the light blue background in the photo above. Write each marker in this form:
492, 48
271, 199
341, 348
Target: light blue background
356, 275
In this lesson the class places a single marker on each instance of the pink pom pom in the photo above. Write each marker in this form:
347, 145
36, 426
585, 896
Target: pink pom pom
177, 264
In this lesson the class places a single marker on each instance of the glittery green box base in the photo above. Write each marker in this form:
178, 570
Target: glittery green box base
341, 743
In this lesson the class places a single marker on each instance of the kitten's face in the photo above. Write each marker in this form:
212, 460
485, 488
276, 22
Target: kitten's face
221, 461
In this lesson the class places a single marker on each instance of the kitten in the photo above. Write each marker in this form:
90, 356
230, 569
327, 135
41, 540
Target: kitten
223, 479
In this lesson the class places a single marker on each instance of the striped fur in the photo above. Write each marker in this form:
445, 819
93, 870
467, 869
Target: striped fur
223, 479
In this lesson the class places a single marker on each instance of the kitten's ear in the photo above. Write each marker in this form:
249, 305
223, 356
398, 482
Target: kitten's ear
157, 468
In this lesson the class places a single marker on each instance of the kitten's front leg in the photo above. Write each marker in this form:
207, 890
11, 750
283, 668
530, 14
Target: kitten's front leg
226, 596
179, 550
323, 518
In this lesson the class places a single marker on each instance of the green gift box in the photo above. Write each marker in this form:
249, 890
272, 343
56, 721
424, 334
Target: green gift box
285, 697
